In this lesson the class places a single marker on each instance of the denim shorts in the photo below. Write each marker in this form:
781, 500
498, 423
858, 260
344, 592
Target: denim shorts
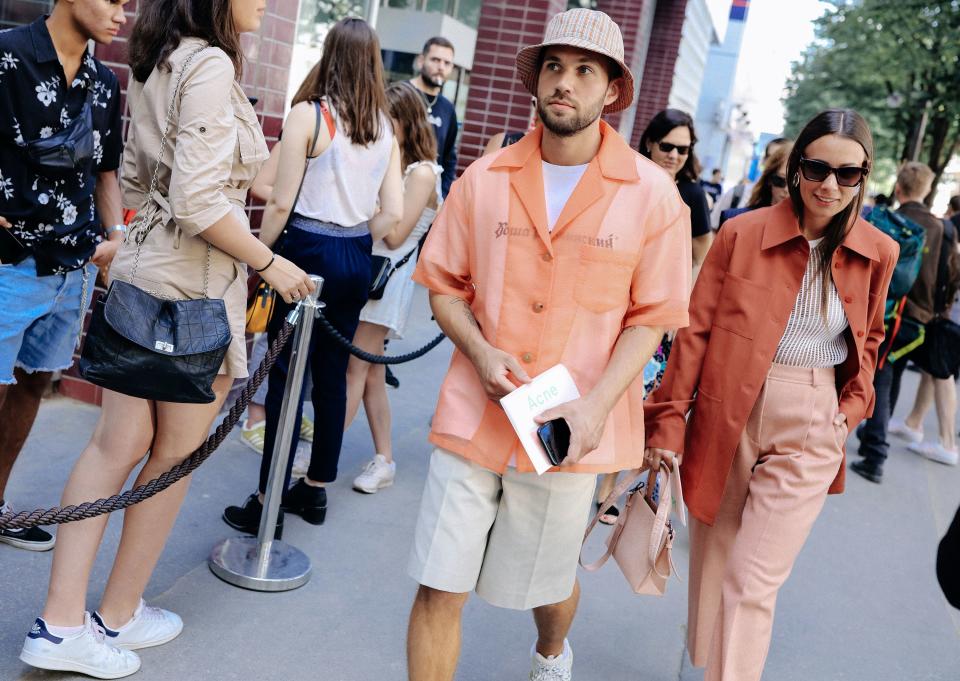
41, 317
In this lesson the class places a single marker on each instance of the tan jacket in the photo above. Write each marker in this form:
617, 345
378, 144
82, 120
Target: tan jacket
214, 149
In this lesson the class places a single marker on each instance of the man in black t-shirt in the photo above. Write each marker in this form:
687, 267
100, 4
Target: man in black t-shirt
57, 224
435, 65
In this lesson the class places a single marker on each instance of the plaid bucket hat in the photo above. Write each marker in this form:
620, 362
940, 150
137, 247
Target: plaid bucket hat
589, 30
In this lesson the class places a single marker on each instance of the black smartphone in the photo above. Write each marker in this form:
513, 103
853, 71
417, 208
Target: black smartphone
555, 437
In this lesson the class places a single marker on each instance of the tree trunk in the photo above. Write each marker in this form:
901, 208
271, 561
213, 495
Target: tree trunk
938, 161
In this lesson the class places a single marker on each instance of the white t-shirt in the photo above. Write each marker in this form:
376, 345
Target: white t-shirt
558, 184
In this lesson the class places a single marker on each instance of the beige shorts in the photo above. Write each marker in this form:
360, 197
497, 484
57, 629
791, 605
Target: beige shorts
514, 538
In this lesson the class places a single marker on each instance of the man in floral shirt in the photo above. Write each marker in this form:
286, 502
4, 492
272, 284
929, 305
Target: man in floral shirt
56, 225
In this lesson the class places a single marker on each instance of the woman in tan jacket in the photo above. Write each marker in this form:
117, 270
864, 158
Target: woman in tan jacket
200, 245
776, 365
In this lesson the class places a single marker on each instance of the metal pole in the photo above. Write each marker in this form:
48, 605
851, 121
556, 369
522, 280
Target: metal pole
264, 563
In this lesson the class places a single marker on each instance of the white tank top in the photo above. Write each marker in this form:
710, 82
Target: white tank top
342, 185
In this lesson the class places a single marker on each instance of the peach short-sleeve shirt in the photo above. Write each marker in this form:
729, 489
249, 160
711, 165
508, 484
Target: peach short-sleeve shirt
618, 256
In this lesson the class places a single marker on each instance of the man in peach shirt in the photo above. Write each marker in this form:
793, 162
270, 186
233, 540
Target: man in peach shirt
566, 247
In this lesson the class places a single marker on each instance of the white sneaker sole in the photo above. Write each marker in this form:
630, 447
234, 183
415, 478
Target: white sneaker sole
28, 545
945, 460
150, 644
374, 489
62, 665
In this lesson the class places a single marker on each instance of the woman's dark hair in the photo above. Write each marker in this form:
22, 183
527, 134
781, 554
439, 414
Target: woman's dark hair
660, 126
350, 76
762, 195
843, 123
409, 110
162, 24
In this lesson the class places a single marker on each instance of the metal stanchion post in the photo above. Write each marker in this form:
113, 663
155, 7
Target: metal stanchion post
263, 563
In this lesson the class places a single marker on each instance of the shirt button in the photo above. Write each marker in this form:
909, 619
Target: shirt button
546, 257
859, 334
527, 357
848, 299
538, 307
202, 129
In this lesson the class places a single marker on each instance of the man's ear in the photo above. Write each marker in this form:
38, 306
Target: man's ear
418, 63
613, 91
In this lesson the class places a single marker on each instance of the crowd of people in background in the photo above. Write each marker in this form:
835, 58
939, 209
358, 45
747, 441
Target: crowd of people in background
748, 330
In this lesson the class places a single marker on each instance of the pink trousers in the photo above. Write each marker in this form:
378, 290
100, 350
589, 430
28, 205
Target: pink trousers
789, 453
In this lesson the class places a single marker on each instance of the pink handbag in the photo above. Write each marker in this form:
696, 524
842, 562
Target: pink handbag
642, 540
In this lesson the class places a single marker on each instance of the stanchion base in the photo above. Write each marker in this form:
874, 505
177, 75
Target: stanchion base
235, 561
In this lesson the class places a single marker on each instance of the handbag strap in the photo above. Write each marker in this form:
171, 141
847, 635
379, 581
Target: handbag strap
662, 514
140, 231
405, 259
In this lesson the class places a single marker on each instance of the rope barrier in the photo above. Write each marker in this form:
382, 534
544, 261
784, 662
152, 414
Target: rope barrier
91, 509
370, 357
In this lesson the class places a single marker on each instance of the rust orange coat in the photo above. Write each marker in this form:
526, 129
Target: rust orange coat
738, 312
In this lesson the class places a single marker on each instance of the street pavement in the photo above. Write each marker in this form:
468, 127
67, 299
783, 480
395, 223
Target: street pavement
862, 603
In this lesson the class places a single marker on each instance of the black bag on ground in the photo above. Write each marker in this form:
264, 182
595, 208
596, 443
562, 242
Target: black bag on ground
155, 349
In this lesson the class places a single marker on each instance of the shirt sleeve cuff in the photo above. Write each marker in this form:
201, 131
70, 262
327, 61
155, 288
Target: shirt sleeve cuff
195, 223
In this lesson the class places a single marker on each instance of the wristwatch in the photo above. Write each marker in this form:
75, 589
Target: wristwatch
116, 228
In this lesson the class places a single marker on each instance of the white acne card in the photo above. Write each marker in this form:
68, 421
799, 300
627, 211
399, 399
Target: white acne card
551, 388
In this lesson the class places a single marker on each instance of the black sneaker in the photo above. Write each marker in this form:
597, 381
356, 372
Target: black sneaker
866, 468
31, 539
246, 518
310, 503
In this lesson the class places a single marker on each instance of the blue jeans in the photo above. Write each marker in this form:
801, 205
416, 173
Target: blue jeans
42, 317
344, 264
872, 434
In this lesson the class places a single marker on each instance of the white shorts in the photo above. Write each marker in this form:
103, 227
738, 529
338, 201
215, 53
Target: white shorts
515, 539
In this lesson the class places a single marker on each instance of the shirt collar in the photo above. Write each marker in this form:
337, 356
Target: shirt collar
42, 43
782, 226
616, 159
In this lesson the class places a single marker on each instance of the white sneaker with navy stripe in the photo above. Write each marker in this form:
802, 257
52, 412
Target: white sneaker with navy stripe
87, 652
148, 627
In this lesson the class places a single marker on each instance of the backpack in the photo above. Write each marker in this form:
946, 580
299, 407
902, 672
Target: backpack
903, 335
911, 237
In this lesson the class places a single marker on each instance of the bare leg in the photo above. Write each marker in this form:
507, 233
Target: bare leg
433, 635
368, 337
554, 621
181, 428
256, 413
945, 395
377, 405
18, 410
607, 483
120, 440
922, 403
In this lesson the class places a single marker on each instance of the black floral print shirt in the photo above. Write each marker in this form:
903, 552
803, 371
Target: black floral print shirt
55, 219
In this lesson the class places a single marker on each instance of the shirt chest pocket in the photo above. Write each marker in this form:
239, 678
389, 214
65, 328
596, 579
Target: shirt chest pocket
250, 143
742, 306
603, 279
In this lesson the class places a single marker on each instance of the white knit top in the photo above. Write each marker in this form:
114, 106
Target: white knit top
808, 340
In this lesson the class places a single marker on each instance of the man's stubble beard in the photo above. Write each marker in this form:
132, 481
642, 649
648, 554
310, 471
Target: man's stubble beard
569, 127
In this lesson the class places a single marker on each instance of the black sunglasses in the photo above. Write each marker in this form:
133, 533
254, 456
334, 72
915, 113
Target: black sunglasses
778, 181
818, 171
666, 148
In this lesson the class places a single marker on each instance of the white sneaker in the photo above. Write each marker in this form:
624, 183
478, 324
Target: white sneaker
904, 432
87, 653
553, 668
936, 452
254, 435
376, 475
148, 627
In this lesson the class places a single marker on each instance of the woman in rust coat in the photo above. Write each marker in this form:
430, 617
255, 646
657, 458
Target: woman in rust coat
776, 366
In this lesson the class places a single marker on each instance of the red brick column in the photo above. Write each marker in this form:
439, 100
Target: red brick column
660, 63
497, 101
627, 14
265, 77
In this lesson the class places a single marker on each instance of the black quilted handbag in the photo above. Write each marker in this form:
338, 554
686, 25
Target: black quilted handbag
155, 349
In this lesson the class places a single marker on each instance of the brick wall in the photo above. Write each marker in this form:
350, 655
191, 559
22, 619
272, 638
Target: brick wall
660, 62
265, 77
497, 102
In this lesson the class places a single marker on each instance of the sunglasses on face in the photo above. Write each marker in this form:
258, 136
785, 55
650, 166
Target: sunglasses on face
666, 148
778, 181
818, 171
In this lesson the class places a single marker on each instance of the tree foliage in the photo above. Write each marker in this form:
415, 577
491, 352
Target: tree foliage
891, 60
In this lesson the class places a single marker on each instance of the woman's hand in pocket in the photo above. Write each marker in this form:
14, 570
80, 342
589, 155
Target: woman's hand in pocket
291, 282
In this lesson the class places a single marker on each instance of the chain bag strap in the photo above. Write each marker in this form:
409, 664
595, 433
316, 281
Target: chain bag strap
149, 346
